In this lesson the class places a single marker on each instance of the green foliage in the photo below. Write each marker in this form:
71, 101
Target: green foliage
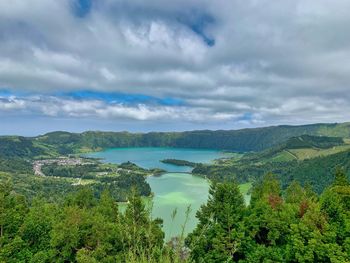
15, 165
217, 237
340, 178
61, 180
318, 172
49, 219
294, 225
16, 146
179, 162
275, 227
85, 171
81, 229
308, 141
299, 148
143, 237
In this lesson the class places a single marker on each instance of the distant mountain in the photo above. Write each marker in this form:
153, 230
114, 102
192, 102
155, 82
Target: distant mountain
292, 152
255, 139
244, 140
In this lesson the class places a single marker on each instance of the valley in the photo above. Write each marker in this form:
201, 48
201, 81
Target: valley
174, 131
174, 188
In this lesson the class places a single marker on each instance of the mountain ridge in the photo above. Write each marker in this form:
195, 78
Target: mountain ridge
242, 140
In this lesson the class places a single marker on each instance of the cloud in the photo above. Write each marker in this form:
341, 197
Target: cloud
94, 108
275, 62
11, 104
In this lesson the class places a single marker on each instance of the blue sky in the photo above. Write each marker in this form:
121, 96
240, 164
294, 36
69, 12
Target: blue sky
82, 8
156, 65
114, 97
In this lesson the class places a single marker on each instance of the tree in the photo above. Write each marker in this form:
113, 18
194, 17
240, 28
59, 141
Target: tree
219, 233
13, 208
268, 189
84, 198
143, 236
340, 178
37, 226
295, 193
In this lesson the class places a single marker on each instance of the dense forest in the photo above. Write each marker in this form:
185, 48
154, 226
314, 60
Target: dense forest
295, 225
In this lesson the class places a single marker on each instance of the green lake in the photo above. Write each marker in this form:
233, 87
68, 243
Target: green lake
176, 189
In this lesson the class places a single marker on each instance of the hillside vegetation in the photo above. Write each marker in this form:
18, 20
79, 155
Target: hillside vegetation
294, 225
236, 140
300, 148
16, 146
66, 209
258, 139
287, 161
284, 150
60, 180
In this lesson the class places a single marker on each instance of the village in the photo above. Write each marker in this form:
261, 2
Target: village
64, 161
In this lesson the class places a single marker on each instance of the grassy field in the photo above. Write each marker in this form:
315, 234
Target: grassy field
303, 154
306, 153
283, 156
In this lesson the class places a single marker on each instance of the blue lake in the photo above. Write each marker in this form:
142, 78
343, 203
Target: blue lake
150, 157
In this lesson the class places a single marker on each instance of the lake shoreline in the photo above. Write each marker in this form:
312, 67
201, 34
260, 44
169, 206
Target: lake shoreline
173, 189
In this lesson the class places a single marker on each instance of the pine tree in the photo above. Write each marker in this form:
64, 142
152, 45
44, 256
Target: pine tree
217, 237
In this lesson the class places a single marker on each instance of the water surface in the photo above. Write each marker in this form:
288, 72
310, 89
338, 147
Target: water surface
176, 189
150, 157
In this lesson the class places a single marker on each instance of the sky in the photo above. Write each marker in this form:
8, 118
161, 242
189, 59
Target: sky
158, 65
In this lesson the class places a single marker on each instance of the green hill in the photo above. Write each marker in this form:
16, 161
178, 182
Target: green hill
16, 146
309, 141
300, 148
244, 140
307, 159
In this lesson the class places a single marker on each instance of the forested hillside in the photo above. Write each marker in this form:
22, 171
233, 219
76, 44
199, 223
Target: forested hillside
236, 140
292, 152
61, 180
62, 143
288, 161
55, 208
295, 225
16, 146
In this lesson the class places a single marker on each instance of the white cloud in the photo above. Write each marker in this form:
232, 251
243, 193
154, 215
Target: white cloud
69, 107
285, 61
107, 74
11, 104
